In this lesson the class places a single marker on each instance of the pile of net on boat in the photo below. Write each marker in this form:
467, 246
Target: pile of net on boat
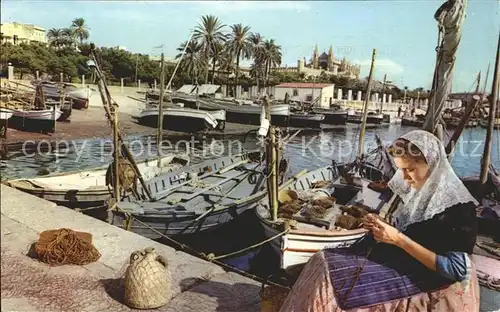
317, 206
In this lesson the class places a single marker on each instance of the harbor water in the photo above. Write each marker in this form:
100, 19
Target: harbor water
304, 151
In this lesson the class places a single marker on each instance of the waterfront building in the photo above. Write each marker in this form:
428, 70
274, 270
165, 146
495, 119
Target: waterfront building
17, 33
306, 92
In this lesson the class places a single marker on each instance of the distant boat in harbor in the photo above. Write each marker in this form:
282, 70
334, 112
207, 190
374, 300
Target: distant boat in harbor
183, 119
308, 120
5, 113
35, 120
237, 110
333, 116
80, 97
371, 118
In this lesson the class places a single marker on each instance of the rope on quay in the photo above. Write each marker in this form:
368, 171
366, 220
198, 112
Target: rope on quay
214, 259
89, 208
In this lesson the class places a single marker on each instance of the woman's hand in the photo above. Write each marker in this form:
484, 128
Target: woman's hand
382, 232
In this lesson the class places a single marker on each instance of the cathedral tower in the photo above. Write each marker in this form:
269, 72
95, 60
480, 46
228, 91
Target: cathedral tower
315, 59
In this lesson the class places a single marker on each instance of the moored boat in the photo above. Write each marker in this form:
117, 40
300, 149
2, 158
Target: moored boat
35, 120
311, 232
240, 113
308, 120
484, 123
88, 188
197, 198
5, 113
333, 117
183, 119
371, 118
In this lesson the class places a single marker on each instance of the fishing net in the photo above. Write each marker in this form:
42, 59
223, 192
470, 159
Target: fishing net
126, 175
288, 209
352, 217
315, 211
147, 282
65, 246
347, 222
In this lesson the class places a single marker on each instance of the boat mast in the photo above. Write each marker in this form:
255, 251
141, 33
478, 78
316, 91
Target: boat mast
111, 113
365, 108
491, 118
461, 125
160, 110
450, 17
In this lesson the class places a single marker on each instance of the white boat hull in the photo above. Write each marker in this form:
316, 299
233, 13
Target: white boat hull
5, 113
303, 240
88, 188
35, 120
298, 248
80, 93
46, 114
183, 119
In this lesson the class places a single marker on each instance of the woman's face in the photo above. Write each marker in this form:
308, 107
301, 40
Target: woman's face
414, 172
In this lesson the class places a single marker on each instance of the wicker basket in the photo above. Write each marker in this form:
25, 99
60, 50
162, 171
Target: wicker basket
272, 297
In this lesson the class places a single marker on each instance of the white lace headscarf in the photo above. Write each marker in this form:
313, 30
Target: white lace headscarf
442, 189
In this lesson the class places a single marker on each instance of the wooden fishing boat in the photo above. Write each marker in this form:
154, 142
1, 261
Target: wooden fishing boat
5, 113
308, 120
484, 123
196, 198
333, 117
488, 195
88, 188
183, 119
453, 123
35, 120
309, 234
371, 118
237, 112
79, 97
412, 122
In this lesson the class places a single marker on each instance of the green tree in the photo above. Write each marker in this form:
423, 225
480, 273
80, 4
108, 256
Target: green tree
79, 29
192, 61
239, 45
210, 33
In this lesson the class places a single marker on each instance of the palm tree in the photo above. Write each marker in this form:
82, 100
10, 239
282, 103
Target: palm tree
226, 64
257, 42
239, 45
60, 37
271, 57
55, 35
192, 61
217, 54
79, 29
210, 33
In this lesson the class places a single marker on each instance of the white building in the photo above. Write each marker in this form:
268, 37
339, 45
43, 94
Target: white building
306, 92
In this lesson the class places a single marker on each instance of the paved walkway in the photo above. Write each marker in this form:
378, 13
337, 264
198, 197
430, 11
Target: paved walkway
29, 285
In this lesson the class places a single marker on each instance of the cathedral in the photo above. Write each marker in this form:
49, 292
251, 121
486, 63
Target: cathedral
330, 65
324, 63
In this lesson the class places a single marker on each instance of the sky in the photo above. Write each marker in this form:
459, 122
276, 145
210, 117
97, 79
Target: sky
403, 32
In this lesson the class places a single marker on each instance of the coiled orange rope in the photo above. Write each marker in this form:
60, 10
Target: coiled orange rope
65, 246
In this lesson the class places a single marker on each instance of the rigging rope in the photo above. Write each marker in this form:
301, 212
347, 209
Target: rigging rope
203, 255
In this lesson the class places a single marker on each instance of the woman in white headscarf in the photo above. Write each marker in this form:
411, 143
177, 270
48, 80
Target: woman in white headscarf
419, 262
437, 210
